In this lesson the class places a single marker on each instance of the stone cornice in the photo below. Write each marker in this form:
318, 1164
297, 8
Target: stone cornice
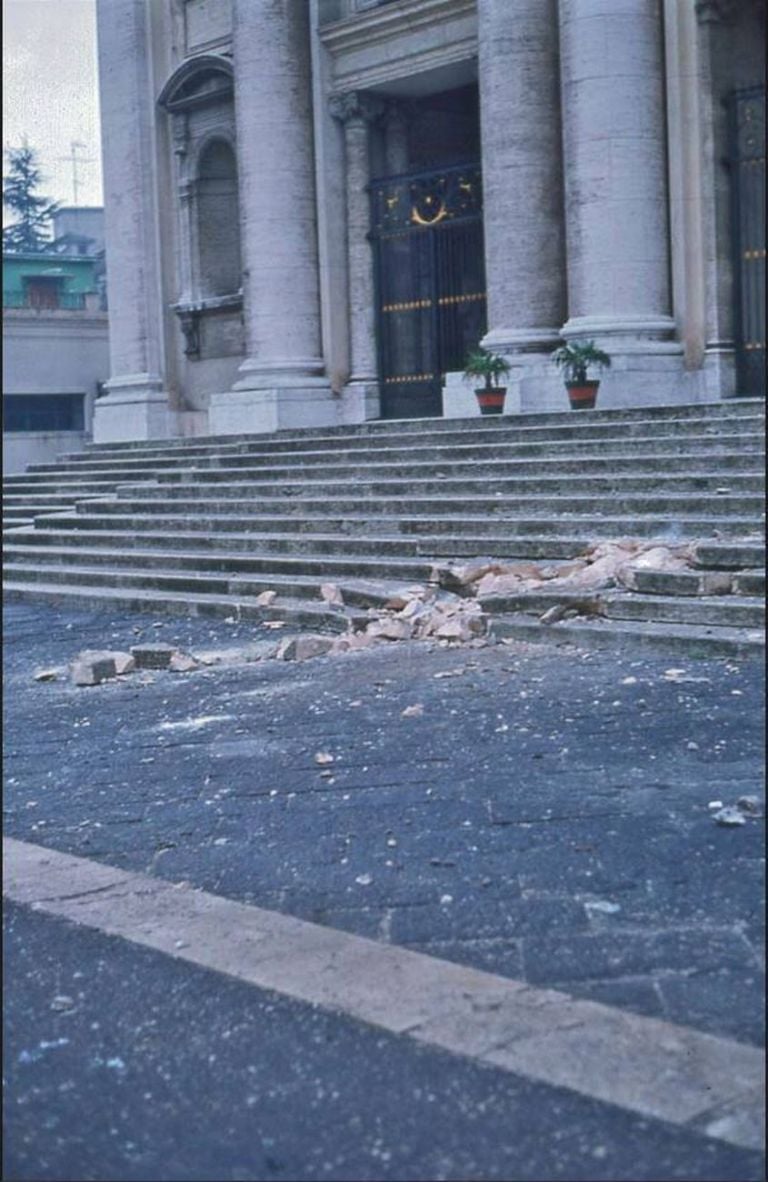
366, 28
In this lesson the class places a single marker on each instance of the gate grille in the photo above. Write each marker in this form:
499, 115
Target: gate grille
747, 133
430, 279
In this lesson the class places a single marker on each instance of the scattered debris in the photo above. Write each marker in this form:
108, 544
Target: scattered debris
324, 757
46, 675
749, 805
414, 711
62, 1002
364, 879
266, 598
729, 816
574, 607
604, 906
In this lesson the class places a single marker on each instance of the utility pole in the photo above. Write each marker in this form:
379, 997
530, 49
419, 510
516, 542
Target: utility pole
74, 160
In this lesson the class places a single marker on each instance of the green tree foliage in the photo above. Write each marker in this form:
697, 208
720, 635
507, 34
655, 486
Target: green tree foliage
29, 231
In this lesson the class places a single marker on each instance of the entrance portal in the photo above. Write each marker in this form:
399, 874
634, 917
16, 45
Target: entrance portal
427, 231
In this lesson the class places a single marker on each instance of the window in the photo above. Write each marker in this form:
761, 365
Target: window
218, 221
42, 293
43, 412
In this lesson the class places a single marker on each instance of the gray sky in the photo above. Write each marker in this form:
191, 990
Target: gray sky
51, 90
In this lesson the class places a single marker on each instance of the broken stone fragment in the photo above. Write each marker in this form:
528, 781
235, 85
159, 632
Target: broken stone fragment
332, 595
391, 629
91, 667
302, 648
46, 675
460, 627
729, 816
266, 598
152, 656
182, 663
124, 663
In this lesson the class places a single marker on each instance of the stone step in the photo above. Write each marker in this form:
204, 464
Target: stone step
468, 508
514, 480
615, 445
685, 641
77, 596
467, 437
737, 554
716, 610
647, 515
697, 583
357, 593
327, 567
645, 464
710, 410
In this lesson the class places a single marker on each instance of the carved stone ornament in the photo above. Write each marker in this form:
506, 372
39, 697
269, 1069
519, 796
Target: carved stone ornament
356, 106
190, 327
180, 134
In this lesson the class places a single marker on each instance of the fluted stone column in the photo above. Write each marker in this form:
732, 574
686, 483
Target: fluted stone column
522, 188
282, 380
136, 404
357, 112
616, 184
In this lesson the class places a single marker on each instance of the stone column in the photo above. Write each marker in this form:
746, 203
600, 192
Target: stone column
282, 380
357, 111
522, 188
136, 404
616, 190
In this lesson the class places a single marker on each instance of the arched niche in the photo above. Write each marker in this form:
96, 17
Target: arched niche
199, 101
218, 222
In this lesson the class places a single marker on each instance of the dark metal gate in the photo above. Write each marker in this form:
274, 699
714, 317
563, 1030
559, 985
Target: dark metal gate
748, 220
427, 231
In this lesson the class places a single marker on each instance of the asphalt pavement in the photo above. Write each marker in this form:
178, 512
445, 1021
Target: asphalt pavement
543, 814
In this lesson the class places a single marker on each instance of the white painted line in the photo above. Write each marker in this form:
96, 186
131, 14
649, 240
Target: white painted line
645, 1065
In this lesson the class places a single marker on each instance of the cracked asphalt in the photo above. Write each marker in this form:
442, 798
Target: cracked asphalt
544, 816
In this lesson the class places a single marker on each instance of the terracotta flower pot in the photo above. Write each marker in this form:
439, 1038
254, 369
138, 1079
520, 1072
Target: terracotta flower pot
491, 402
582, 395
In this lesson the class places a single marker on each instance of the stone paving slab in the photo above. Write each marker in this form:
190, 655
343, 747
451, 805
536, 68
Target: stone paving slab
545, 817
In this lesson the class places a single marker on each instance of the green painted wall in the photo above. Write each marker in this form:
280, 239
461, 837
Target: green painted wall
77, 274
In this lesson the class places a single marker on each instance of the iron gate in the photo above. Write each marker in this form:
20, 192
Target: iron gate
748, 221
427, 231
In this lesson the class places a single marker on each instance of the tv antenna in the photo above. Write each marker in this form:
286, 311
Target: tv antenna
74, 160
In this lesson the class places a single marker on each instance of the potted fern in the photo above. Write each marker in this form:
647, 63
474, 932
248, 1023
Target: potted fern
576, 359
490, 367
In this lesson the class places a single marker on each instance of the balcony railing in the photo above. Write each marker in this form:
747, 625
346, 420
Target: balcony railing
68, 301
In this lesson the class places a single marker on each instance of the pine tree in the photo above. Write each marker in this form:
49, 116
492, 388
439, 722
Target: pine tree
29, 232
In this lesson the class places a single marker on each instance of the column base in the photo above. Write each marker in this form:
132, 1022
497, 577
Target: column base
134, 408
360, 401
249, 411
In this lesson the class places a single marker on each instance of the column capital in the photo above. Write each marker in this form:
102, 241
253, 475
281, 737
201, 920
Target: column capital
710, 12
356, 106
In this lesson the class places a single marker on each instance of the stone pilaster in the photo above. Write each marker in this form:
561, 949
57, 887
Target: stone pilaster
616, 189
136, 404
357, 112
282, 380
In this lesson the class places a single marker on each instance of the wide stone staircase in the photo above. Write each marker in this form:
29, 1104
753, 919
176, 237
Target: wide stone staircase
208, 525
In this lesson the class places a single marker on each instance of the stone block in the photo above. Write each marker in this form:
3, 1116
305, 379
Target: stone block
91, 667
152, 656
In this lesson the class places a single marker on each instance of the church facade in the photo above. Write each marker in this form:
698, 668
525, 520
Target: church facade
316, 208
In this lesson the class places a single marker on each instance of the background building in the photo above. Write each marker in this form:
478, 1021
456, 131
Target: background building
314, 208
55, 341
